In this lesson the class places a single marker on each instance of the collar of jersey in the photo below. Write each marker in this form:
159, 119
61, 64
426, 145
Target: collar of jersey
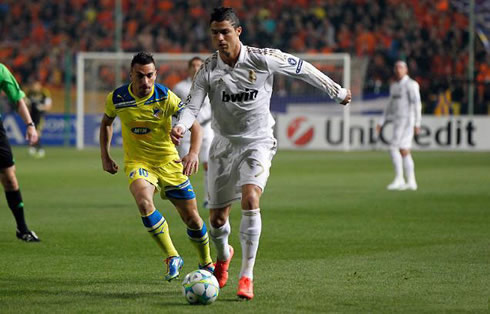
404, 78
241, 58
141, 100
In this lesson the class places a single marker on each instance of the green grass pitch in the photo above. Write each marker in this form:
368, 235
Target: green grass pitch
333, 239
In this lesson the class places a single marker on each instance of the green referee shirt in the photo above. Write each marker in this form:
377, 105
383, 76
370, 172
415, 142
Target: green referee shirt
9, 85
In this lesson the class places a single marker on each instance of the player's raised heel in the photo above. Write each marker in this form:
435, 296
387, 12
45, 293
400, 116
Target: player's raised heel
221, 269
29, 236
245, 288
174, 265
209, 267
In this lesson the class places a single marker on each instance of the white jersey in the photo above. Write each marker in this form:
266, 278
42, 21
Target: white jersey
240, 95
404, 103
182, 89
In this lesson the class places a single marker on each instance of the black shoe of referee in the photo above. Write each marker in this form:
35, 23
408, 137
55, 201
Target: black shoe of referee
29, 236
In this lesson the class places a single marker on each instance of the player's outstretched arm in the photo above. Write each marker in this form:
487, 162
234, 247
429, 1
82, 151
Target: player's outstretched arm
191, 160
105, 137
292, 66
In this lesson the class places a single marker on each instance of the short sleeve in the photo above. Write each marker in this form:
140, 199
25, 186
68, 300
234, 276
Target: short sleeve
9, 85
174, 103
110, 109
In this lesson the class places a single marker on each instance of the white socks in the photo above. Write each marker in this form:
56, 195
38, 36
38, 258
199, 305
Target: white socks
396, 158
219, 236
409, 167
250, 229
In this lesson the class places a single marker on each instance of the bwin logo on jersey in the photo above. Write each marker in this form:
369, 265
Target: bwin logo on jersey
249, 94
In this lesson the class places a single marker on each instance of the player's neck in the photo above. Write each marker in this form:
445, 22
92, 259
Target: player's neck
231, 58
137, 93
399, 79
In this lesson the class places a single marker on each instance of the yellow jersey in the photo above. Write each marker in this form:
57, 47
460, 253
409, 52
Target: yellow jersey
146, 123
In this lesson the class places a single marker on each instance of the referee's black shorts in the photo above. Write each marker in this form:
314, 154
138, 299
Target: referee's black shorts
6, 157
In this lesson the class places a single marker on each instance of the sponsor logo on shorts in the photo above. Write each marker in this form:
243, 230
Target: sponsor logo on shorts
262, 170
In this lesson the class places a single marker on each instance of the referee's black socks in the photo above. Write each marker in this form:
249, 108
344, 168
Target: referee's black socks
14, 200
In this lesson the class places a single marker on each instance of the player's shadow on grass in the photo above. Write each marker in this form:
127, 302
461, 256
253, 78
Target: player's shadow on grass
80, 288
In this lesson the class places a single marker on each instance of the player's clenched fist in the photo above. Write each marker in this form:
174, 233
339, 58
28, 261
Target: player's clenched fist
110, 165
176, 134
347, 98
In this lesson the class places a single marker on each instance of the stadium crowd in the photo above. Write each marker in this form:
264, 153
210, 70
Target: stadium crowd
431, 35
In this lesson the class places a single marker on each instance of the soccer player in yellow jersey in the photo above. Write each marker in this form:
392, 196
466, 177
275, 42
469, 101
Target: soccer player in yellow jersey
151, 161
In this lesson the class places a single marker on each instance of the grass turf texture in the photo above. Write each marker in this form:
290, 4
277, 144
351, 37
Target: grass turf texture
333, 239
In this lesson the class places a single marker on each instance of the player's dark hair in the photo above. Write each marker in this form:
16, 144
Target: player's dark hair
192, 60
225, 14
142, 58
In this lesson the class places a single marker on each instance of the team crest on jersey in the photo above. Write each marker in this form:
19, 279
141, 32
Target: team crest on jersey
252, 76
157, 112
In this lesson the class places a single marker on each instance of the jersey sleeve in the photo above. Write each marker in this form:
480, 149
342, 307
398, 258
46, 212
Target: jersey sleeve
388, 109
110, 109
292, 66
414, 98
174, 104
193, 103
9, 85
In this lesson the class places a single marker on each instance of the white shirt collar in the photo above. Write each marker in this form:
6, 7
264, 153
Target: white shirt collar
241, 58
404, 78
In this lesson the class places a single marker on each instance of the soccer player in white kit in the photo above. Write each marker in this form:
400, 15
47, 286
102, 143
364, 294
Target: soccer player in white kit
405, 110
238, 80
182, 89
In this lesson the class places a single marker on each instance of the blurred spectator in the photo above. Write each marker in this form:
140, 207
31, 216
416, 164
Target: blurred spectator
39, 102
431, 35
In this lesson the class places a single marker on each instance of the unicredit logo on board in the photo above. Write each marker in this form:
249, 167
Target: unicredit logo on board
452, 133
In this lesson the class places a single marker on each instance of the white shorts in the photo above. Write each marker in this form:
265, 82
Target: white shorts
402, 134
233, 165
185, 145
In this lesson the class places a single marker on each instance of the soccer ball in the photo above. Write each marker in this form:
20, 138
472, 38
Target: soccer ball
200, 287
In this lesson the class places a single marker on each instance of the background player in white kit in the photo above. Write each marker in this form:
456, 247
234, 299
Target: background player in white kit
238, 80
182, 89
405, 110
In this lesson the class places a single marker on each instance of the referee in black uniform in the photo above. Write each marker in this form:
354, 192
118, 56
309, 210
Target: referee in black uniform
9, 85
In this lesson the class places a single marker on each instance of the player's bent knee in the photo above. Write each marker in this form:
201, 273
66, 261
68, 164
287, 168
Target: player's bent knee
251, 199
145, 206
192, 219
218, 217
217, 222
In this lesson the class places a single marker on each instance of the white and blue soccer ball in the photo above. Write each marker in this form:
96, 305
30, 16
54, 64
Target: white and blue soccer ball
200, 287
